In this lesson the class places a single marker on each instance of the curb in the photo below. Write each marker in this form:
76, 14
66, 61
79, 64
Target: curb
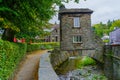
46, 71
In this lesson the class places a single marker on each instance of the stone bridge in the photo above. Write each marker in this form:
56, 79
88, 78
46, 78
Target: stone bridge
95, 50
96, 54
109, 56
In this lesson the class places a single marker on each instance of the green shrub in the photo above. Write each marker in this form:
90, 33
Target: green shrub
85, 61
32, 47
45, 45
10, 56
106, 41
99, 77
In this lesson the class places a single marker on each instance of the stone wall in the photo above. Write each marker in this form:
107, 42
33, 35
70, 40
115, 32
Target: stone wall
57, 57
112, 62
68, 31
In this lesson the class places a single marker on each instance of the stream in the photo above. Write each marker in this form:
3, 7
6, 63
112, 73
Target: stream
70, 70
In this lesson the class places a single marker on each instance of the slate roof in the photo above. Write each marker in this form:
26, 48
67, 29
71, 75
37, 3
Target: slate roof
76, 10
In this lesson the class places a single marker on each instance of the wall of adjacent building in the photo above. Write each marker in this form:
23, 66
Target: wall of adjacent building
55, 34
112, 62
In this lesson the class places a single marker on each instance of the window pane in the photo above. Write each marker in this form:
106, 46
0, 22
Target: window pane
76, 22
76, 39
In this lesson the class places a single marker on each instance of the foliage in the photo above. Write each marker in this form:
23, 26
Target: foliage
45, 45
32, 47
101, 29
85, 61
27, 17
10, 55
116, 23
99, 77
106, 41
7, 24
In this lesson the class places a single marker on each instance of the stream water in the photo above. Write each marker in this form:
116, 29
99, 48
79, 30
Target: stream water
69, 70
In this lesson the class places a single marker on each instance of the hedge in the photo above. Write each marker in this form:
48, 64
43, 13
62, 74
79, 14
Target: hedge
44, 45
12, 53
10, 56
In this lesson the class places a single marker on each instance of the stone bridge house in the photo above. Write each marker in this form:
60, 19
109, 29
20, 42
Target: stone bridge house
76, 33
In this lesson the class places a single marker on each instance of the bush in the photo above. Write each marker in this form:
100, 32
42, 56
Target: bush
99, 77
32, 47
10, 56
85, 61
45, 45
106, 41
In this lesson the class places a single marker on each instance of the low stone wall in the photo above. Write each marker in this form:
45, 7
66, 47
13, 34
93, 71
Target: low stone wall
112, 62
46, 71
50, 61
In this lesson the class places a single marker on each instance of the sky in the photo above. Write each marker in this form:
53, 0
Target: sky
104, 10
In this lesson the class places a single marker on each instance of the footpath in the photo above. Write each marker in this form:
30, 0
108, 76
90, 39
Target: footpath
46, 71
28, 69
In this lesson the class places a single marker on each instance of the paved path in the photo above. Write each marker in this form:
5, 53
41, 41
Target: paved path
29, 67
46, 71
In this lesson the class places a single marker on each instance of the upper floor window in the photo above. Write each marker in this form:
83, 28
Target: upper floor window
76, 22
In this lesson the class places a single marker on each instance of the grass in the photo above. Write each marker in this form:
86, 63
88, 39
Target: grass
86, 61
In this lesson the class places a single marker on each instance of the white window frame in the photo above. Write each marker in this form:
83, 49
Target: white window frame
77, 39
76, 22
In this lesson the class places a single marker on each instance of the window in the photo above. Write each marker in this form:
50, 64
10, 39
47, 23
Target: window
77, 39
56, 30
56, 38
76, 22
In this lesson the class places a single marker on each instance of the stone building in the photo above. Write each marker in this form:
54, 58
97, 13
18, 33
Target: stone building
76, 32
54, 34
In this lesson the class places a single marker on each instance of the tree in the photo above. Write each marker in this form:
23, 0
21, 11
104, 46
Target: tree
26, 17
100, 29
116, 23
109, 24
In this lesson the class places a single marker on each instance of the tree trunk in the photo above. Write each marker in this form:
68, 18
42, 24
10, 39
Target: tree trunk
8, 35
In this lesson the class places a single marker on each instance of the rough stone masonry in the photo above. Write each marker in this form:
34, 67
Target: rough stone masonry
90, 44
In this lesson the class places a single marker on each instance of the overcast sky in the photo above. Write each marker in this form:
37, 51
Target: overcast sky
104, 10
